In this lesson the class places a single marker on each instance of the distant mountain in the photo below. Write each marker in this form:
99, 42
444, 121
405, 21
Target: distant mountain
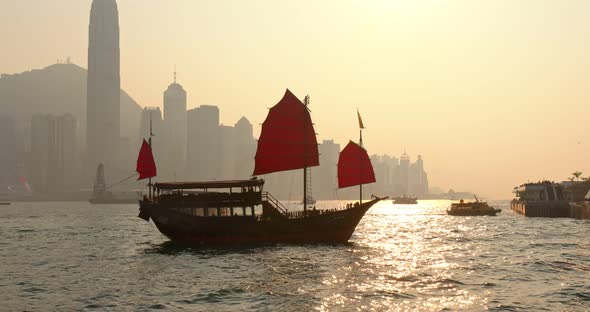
58, 89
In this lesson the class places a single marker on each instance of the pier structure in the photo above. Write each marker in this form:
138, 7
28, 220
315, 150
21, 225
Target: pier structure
547, 200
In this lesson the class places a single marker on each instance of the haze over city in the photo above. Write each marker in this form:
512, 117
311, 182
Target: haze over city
333, 155
491, 93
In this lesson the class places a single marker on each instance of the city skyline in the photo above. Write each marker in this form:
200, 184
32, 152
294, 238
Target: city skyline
478, 108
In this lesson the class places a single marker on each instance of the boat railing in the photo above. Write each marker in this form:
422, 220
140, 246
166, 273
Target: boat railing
266, 196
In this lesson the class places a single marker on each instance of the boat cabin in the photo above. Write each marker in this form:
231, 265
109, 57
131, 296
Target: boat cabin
209, 198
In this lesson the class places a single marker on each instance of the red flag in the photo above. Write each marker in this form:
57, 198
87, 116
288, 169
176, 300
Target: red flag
146, 166
360, 120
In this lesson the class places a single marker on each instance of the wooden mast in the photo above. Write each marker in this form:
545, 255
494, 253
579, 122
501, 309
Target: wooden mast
360, 168
150, 144
306, 103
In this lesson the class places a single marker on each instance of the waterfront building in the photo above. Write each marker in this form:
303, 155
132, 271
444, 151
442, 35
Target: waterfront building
245, 149
152, 115
325, 175
404, 169
175, 130
227, 152
203, 148
103, 86
53, 162
8, 152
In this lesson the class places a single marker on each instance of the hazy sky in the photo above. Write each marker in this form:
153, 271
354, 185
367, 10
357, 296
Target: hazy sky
491, 93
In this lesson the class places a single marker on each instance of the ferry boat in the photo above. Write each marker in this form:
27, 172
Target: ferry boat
476, 208
405, 200
541, 199
240, 211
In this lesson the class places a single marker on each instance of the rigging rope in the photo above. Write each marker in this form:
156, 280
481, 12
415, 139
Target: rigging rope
117, 183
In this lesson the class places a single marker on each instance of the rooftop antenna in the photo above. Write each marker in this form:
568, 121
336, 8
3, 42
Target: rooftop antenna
174, 73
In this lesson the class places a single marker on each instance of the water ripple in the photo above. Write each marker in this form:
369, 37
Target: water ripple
58, 256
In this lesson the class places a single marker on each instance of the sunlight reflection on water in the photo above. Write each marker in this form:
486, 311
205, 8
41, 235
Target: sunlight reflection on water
401, 258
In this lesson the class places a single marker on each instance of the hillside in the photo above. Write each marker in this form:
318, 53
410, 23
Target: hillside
58, 89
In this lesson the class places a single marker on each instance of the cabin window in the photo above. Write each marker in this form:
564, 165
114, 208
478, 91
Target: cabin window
212, 212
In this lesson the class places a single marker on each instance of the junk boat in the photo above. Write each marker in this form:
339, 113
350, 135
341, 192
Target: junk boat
477, 208
405, 200
239, 211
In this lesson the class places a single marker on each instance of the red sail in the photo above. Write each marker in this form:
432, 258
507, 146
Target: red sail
287, 140
146, 166
354, 166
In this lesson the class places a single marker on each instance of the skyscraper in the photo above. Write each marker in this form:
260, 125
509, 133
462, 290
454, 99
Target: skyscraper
8, 152
404, 169
53, 153
152, 117
175, 130
326, 177
245, 149
103, 86
203, 148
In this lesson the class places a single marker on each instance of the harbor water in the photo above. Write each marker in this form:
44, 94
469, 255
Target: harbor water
75, 256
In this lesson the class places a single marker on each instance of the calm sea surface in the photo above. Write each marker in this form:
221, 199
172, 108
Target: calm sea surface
74, 256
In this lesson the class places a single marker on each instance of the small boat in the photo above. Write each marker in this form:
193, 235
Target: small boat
101, 194
476, 208
405, 200
239, 211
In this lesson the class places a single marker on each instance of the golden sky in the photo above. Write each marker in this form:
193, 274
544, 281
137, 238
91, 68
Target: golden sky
491, 93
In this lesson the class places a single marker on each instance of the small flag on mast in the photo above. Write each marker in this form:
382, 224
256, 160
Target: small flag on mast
360, 120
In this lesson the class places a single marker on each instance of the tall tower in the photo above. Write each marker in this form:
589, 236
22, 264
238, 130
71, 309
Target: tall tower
404, 167
176, 130
103, 86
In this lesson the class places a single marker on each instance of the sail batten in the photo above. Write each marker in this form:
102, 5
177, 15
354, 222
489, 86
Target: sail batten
288, 140
146, 165
354, 166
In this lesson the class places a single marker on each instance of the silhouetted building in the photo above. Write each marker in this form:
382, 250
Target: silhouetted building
103, 86
153, 116
382, 174
419, 179
245, 149
325, 176
404, 174
227, 156
53, 157
8, 153
203, 143
175, 131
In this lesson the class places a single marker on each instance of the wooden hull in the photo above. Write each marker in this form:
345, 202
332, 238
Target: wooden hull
325, 227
